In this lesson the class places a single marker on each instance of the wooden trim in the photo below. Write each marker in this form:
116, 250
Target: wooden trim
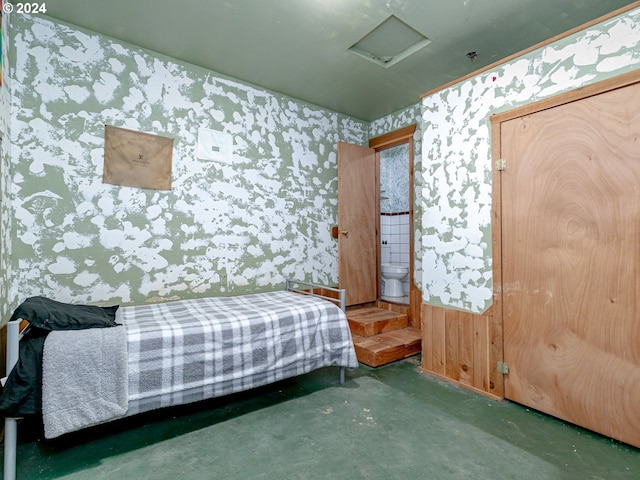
377, 214
496, 340
544, 43
414, 308
392, 139
415, 294
619, 81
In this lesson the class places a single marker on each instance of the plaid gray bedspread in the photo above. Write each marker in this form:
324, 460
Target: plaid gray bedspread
189, 350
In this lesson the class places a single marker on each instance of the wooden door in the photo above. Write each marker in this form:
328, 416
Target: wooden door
571, 261
357, 210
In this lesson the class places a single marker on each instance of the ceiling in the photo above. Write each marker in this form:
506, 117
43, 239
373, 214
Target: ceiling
301, 47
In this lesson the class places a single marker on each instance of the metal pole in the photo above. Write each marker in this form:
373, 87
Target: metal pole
11, 424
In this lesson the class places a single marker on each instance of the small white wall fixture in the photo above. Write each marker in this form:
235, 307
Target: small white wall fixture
215, 146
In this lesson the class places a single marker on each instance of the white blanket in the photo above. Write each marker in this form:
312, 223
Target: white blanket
84, 378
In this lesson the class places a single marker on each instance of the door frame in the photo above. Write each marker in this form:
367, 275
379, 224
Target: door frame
383, 142
619, 81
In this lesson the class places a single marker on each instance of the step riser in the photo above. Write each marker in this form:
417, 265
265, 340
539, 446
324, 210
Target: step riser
367, 322
374, 357
382, 336
382, 326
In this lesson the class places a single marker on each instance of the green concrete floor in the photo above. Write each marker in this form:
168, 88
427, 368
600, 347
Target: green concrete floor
392, 422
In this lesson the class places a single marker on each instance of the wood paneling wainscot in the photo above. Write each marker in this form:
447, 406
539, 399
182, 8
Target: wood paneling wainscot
463, 348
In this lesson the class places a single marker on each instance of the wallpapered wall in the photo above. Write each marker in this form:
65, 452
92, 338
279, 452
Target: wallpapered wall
266, 216
5, 203
456, 176
394, 179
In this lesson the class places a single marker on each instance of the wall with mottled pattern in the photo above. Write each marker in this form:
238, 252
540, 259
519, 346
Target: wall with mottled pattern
262, 218
5, 182
456, 151
394, 179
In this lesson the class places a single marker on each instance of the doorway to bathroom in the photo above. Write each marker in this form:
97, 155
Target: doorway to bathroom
394, 152
384, 329
394, 223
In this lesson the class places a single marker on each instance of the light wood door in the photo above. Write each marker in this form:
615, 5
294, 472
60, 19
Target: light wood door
357, 210
571, 261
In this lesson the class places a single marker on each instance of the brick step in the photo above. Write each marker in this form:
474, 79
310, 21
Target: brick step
366, 322
387, 347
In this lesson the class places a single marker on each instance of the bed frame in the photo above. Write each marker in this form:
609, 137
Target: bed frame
14, 335
340, 300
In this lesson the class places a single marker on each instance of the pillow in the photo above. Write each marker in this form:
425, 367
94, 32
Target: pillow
48, 314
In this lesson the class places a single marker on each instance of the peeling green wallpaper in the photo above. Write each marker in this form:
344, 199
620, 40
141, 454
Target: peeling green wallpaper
456, 155
5, 182
222, 229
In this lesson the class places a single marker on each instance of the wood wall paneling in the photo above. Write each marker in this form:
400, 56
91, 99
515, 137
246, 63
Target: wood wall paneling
461, 347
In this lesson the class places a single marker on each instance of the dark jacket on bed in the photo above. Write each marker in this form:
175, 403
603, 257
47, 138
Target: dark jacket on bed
22, 393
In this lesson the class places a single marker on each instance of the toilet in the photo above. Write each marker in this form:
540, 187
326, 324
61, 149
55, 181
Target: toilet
392, 276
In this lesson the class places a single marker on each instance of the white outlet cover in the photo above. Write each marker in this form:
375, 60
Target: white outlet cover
215, 146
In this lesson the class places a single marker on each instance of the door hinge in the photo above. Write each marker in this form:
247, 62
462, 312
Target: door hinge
501, 164
503, 368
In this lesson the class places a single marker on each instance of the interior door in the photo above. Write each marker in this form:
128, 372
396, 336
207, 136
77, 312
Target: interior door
357, 210
571, 261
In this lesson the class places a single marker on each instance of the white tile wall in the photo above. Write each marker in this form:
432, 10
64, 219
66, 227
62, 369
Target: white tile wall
394, 230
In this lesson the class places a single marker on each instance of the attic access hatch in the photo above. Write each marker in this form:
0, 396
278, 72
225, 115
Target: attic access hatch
390, 42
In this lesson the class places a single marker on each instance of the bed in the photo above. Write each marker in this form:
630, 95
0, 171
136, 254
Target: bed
165, 354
